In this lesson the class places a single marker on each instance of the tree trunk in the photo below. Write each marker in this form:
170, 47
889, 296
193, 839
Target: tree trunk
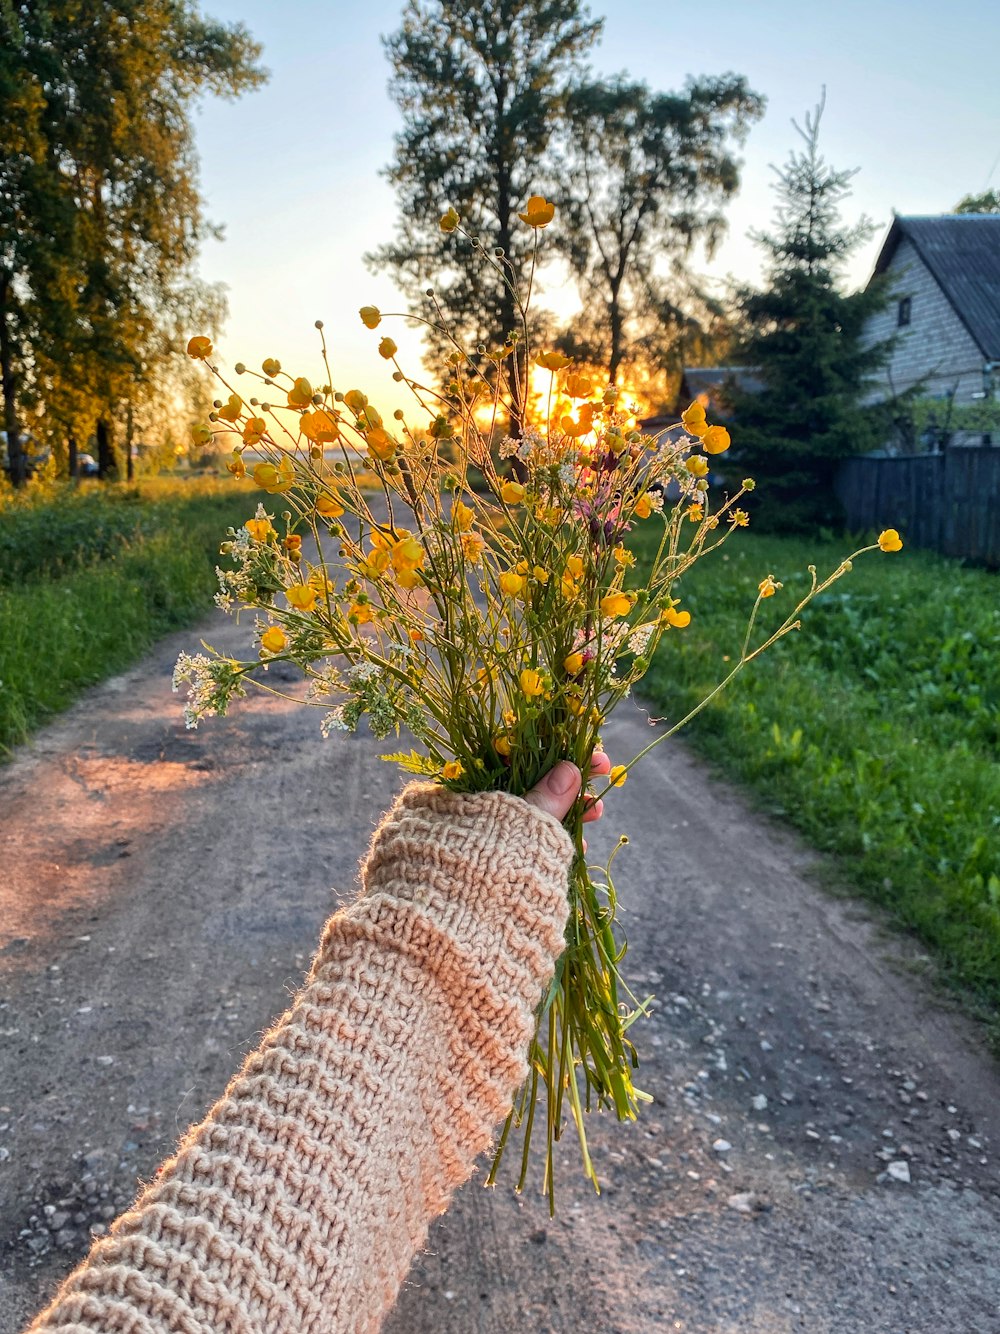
73, 460
617, 349
107, 466
129, 425
16, 462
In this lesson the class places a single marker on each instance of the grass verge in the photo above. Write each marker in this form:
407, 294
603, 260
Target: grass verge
874, 730
123, 569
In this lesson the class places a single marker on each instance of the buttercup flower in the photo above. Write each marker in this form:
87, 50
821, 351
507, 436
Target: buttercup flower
301, 596
678, 619
199, 347
539, 212
715, 440
512, 493
697, 465
387, 349
274, 639
531, 682
617, 776
329, 506
300, 394
616, 604
452, 770
693, 419
449, 221
259, 529
270, 366
511, 583
552, 361
371, 316
890, 540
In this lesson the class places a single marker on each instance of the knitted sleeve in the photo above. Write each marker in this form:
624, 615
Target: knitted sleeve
297, 1204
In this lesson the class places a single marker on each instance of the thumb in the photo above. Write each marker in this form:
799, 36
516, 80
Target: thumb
557, 791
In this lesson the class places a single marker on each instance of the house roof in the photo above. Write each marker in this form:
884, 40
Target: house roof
962, 252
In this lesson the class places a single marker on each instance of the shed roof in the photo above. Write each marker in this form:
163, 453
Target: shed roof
962, 252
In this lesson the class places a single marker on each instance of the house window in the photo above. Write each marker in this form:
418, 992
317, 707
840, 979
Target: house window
903, 312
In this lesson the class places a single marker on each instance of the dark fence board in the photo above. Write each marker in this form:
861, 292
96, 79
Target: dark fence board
946, 502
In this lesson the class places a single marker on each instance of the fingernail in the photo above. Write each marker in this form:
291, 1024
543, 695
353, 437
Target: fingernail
563, 778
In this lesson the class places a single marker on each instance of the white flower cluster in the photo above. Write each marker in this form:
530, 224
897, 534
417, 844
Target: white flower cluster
638, 640
211, 683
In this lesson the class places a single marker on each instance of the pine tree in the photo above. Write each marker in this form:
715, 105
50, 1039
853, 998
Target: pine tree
806, 338
482, 89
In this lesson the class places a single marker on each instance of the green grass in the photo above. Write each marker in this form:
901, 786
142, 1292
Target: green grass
875, 729
111, 572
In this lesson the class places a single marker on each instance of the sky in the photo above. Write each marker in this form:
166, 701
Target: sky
291, 172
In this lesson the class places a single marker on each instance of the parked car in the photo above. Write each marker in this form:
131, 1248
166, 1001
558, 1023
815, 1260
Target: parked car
86, 465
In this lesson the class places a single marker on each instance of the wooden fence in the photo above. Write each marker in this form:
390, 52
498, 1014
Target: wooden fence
948, 502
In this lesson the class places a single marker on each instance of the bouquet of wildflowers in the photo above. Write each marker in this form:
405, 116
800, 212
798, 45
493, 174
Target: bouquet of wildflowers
470, 582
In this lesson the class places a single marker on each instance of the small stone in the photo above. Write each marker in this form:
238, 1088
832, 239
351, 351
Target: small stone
105, 1060
743, 1203
954, 1135
899, 1171
765, 1045
759, 1102
721, 1146
57, 1219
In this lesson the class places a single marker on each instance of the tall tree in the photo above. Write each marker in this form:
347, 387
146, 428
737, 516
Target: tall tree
806, 338
481, 89
987, 202
649, 175
116, 82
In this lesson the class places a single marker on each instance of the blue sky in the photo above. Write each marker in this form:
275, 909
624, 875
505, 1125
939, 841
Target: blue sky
291, 172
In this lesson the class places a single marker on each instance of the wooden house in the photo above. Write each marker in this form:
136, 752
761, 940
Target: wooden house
945, 310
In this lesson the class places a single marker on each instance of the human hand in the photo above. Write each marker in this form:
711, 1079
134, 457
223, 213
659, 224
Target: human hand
557, 791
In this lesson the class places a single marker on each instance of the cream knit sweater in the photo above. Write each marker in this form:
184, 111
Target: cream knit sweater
297, 1205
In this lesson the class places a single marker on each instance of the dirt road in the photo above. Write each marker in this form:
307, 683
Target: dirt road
821, 1153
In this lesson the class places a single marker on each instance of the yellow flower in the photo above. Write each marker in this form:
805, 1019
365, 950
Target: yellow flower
274, 639
540, 575
360, 613
693, 419
387, 348
501, 744
574, 566
449, 221
539, 212
380, 443
715, 440
270, 366
573, 664
623, 556
202, 435
696, 513
462, 516
371, 316
578, 386
407, 554
320, 426
531, 682
301, 596
697, 465
232, 409
416, 636
552, 361
768, 587
890, 540
678, 619
575, 705
643, 506
375, 563
329, 507
473, 546
236, 466
511, 583
617, 775
199, 347
616, 604
300, 394
584, 423
356, 400
259, 529
739, 518
452, 770
254, 430
272, 479
512, 493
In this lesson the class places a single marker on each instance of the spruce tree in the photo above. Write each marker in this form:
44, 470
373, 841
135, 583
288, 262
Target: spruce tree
805, 337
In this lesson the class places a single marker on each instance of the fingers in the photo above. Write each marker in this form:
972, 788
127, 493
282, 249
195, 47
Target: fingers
557, 791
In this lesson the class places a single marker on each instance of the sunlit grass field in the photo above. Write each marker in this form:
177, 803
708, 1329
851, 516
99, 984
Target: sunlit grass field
875, 729
90, 578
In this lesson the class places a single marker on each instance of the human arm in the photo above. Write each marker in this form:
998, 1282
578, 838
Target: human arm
298, 1202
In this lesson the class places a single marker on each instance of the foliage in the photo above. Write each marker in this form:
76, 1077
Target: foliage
498, 627
924, 423
987, 202
98, 600
875, 731
481, 89
648, 174
805, 339
109, 176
